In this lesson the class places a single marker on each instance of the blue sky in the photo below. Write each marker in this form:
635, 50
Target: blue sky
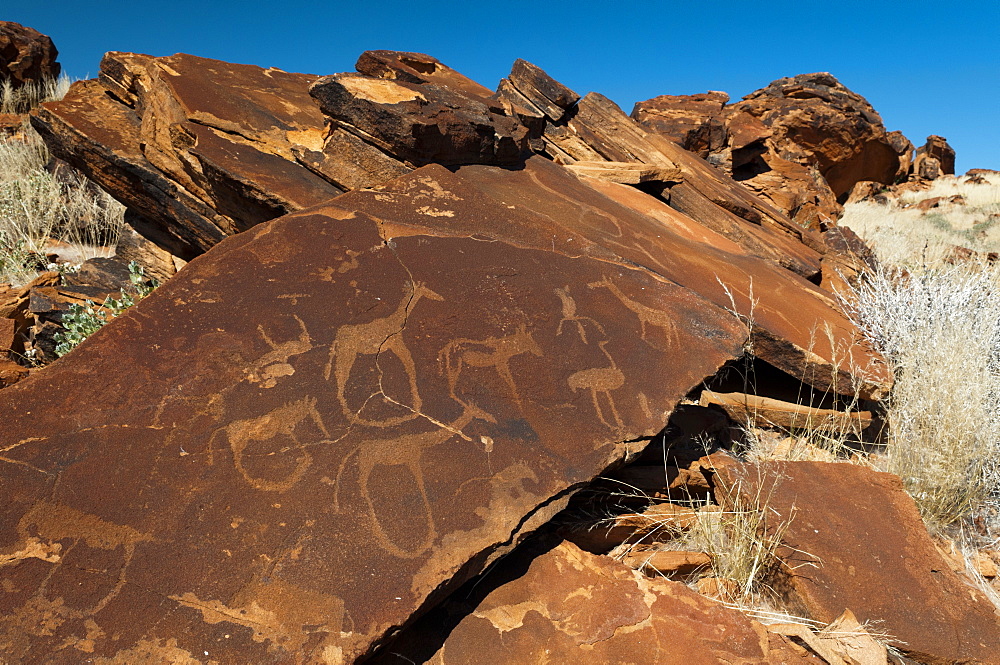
926, 67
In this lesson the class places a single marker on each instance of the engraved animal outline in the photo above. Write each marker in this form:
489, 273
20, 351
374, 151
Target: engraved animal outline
55, 522
569, 315
274, 364
600, 380
495, 352
371, 338
280, 421
646, 314
406, 450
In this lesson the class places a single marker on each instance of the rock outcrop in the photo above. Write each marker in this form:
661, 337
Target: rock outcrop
801, 143
624, 617
26, 55
419, 317
934, 159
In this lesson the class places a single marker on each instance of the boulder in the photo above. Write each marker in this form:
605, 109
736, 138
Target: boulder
26, 55
197, 149
815, 119
801, 143
934, 159
695, 122
405, 404
872, 556
622, 617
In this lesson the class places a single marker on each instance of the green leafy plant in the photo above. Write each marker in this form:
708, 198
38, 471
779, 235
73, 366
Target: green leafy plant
82, 321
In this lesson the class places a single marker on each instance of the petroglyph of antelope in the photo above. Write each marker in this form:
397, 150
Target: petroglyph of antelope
569, 315
406, 450
267, 369
647, 315
372, 338
600, 380
495, 352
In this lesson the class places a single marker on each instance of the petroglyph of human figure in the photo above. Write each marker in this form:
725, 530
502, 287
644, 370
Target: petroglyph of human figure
406, 450
569, 315
370, 339
600, 381
646, 314
495, 352
280, 424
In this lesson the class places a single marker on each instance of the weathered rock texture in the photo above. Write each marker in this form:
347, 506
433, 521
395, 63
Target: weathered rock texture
26, 55
575, 607
872, 556
404, 405
934, 159
801, 143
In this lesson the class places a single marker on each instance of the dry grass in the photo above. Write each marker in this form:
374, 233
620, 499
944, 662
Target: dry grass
26, 97
903, 235
36, 204
938, 327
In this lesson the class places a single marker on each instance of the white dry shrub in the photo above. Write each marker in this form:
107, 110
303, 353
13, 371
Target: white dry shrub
36, 204
938, 327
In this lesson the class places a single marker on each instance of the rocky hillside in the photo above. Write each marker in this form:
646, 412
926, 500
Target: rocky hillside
446, 374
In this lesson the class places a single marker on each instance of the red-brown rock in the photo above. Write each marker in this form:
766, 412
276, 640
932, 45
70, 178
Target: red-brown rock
26, 55
549, 208
873, 556
815, 119
934, 159
620, 617
695, 122
405, 403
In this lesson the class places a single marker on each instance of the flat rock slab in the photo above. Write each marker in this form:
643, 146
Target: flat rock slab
796, 326
856, 541
575, 607
313, 431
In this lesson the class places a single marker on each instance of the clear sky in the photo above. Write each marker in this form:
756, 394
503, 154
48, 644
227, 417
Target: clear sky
926, 67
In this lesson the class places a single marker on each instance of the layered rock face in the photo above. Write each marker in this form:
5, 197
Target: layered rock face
26, 55
419, 317
801, 143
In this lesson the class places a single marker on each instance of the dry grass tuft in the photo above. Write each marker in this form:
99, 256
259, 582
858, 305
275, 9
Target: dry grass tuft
26, 97
938, 327
37, 203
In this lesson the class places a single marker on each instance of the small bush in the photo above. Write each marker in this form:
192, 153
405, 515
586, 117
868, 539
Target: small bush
23, 98
82, 321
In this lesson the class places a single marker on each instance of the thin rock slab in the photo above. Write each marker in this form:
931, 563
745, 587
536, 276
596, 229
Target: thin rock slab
575, 607
854, 540
316, 430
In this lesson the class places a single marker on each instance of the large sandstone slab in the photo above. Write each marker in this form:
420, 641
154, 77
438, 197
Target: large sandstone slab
316, 429
796, 327
575, 607
855, 540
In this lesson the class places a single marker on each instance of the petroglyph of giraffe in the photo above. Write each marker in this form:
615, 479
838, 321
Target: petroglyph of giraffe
600, 380
493, 352
569, 315
372, 338
646, 314
406, 450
